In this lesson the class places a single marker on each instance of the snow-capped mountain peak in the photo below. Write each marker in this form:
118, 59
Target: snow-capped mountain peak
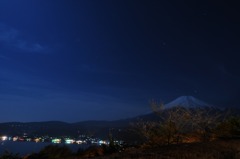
187, 102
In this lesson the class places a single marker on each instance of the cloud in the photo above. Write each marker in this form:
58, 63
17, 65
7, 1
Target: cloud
29, 47
11, 37
7, 35
3, 57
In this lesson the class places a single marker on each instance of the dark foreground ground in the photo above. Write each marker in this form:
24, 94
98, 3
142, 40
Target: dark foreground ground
222, 149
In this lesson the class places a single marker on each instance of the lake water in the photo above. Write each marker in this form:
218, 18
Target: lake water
24, 148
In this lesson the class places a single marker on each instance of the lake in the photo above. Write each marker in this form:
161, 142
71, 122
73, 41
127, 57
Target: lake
24, 148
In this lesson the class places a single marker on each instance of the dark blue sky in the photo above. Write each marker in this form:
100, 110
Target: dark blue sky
74, 60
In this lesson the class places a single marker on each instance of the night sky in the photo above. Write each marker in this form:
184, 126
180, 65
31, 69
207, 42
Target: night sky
74, 60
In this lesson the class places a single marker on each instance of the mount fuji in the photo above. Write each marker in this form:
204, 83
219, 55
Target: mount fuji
187, 102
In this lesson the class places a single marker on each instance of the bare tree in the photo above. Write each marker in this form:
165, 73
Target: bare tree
174, 121
204, 121
179, 124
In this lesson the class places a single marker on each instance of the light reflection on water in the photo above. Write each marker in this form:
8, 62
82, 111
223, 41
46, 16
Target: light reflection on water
24, 148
